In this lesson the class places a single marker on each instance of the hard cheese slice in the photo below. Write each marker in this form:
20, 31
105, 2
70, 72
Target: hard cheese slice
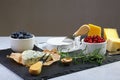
113, 45
94, 30
110, 33
35, 69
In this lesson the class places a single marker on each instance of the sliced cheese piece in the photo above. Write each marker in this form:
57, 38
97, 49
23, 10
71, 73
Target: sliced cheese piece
35, 69
94, 30
113, 45
110, 33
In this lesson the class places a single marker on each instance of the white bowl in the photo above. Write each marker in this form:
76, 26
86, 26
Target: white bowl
20, 45
59, 44
90, 47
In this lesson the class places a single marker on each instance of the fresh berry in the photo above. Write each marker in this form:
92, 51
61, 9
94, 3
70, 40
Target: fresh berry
94, 39
21, 35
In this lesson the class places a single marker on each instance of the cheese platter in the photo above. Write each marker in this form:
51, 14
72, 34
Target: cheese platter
88, 53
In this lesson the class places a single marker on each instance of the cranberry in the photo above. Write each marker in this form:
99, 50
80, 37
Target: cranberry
94, 39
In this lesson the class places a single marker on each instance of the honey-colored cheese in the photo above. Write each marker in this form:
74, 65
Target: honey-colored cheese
113, 44
110, 33
94, 30
35, 69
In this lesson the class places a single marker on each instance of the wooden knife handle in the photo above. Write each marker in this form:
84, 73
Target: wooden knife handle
82, 30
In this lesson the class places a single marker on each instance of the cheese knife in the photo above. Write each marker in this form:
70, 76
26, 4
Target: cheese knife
84, 29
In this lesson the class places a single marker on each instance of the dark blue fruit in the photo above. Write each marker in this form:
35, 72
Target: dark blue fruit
21, 35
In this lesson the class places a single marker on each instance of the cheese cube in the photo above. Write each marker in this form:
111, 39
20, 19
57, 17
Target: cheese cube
110, 33
113, 44
94, 30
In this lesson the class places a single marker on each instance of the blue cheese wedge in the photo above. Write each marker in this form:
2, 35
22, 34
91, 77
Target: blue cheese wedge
30, 57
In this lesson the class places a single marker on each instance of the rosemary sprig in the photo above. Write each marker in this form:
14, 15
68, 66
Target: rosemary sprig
94, 57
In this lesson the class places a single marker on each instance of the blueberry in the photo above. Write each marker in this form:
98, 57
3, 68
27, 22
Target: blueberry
27, 37
13, 36
31, 36
21, 35
27, 33
24, 33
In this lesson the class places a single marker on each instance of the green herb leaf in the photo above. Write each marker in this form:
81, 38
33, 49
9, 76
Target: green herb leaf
94, 57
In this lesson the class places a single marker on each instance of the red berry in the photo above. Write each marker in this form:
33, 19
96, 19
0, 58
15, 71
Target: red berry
94, 42
94, 39
90, 41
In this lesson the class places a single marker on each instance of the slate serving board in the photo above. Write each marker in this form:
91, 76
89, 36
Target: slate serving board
56, 69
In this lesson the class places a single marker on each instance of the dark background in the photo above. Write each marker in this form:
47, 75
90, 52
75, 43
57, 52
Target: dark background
56, 17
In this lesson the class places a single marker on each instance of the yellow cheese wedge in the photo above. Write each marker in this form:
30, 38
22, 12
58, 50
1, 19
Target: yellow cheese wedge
110, 33
113, 44
35, 69
94, 30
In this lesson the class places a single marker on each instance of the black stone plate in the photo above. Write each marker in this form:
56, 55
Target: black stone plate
56, 69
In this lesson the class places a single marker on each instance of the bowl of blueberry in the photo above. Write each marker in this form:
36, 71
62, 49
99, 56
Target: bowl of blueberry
21, 41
